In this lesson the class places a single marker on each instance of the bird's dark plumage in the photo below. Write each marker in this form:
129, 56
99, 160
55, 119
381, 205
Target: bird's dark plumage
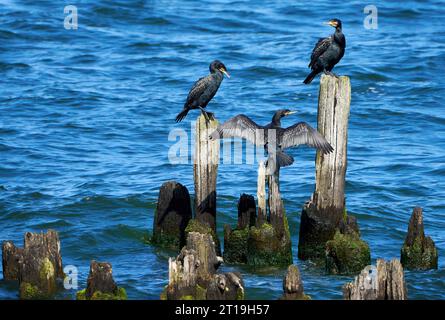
327, 52
204, 90
300, 133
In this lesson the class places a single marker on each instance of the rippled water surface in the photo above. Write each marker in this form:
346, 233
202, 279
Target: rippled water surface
85, 116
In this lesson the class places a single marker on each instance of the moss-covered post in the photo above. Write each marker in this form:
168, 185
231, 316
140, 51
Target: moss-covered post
235, 241
269, 242
173, 212
101, 285
419, 251
39, 265
325, 213
205, 171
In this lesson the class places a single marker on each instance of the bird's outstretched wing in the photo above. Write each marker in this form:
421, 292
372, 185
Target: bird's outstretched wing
199, 87
302, 133
320, 47
240, 126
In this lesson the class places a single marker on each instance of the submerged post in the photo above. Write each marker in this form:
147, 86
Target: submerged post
324, 215
205, 171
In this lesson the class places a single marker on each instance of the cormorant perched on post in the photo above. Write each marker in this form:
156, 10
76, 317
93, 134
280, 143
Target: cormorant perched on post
274, 142
327, 52
204, 89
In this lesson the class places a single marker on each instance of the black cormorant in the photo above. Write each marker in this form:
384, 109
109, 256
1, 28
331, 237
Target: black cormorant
204, 89
300, 133
327, 52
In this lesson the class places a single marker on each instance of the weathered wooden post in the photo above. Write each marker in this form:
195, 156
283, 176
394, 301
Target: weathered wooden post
276, 210
101, 285
261, 195
205, 171
293, 285
386, 281
269, 242
10, 260
193, 276
37, 266
173, 212
324, 214
418, 251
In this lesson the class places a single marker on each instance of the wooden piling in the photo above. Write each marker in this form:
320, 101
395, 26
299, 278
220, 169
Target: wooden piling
205, 171
261, 195
276, 209
101, 285
173, 212
386, 281
322, 215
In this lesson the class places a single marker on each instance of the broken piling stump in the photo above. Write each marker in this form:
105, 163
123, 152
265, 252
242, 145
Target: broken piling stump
235, 241
385, 281
205, 171
325, 213
419, 251
269, 242
173, 213
192, 275
10, 260
293, 285
37, 266
101, 285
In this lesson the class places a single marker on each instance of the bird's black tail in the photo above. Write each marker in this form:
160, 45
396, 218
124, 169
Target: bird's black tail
181, 115
283, 159
310, 77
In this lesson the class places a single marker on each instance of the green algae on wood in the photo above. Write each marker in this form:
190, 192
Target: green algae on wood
120, 294
266, 248
346, 254
419, 251
196, 226
235, 245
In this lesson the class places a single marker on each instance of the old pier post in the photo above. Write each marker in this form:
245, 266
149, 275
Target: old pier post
101, 285
419, 251
37, 266
173, 212
261, 195
325, 213
193, 274
386, 281
269, 242
205, 171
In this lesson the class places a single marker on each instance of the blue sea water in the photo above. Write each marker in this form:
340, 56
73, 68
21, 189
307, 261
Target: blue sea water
85, 116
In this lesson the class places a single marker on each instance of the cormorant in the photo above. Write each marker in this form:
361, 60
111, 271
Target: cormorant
204, 89
300, 133
327, 52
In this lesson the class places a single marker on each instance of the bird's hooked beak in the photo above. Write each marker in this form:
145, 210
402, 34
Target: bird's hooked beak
288, 113
331, 23
225, 72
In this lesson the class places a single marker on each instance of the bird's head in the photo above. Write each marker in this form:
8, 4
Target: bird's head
218, 66
284, 113
336, 23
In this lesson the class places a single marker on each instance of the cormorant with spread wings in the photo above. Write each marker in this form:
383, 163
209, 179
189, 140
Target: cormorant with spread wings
274, 142
327, 52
